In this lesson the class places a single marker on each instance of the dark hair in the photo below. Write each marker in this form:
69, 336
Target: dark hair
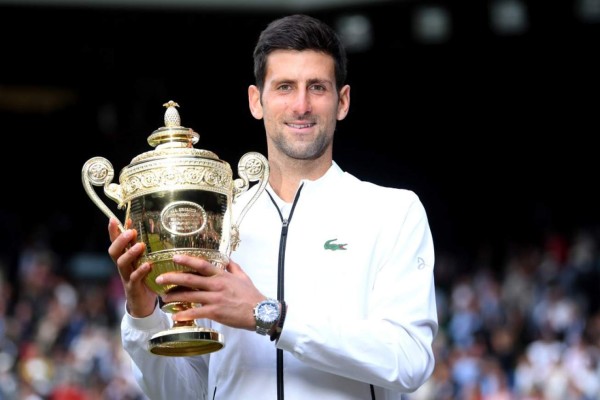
299, 32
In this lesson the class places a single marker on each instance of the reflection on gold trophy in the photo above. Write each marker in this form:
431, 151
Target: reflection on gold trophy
179, 199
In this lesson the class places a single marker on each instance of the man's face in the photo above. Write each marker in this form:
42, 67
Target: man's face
300, 104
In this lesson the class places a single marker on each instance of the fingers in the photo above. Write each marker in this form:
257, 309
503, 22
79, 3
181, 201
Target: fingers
113, 229
201, 266
126, 262
139, 274
124, 250
201, 277
120, 241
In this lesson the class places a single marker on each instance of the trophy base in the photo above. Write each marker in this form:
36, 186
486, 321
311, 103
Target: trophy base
186, 341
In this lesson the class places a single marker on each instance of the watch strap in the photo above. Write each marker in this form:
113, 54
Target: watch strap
279, 327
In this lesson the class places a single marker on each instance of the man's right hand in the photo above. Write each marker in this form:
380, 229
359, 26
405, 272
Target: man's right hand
125, 252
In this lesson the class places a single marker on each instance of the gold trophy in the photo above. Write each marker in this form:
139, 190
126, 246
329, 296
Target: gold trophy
179, 200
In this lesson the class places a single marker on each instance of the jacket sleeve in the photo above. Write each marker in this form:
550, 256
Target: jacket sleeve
161, 377
391, 344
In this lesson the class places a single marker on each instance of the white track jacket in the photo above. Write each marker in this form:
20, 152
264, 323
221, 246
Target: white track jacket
359, 284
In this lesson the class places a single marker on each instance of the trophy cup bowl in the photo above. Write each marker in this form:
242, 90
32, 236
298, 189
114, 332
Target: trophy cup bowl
179, 199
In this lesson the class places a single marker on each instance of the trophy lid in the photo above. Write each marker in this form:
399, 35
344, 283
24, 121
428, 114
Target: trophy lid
174, 164
173, 140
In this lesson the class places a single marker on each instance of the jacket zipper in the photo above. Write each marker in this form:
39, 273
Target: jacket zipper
285, 223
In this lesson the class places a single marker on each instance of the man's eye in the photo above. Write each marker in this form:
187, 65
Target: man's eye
317, 88
285, 87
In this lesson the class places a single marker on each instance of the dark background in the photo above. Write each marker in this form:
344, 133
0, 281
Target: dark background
497, 134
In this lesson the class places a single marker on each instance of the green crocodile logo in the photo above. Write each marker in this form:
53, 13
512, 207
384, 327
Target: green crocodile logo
329, 245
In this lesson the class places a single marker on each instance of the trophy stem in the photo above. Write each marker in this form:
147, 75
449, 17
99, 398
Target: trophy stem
185, 338
176, 306
179, 324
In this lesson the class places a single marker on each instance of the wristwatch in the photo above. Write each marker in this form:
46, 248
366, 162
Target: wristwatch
266, 315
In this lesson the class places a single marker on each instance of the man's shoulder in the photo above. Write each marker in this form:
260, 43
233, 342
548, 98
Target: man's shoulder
370, 188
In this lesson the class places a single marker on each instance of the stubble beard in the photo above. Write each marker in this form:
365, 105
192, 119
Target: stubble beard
303, 150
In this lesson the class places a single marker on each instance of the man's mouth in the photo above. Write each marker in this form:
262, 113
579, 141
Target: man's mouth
301, 126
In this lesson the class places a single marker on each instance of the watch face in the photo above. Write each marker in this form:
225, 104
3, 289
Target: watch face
268, 312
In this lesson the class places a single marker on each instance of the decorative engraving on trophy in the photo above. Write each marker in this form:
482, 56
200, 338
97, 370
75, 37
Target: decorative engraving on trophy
207, 175
98, 172
183, 218
193, 175
254, 167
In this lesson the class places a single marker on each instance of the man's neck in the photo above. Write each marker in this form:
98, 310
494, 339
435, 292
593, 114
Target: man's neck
285, 178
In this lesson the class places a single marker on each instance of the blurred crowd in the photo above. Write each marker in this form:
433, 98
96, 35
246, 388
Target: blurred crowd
59, 337
524, 326
527, 329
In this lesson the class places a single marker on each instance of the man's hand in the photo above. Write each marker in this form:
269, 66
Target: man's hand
125, 252
226, 296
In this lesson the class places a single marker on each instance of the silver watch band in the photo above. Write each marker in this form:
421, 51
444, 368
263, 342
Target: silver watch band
266, 315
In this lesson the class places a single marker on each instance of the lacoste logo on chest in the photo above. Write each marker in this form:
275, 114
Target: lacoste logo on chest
329, 245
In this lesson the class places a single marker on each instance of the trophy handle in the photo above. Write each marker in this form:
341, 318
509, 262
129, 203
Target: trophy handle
98, 171
252, 167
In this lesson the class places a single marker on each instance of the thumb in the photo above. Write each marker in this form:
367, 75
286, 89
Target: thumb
234, 267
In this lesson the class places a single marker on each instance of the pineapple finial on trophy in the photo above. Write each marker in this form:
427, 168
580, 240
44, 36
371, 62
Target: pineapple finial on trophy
172, 134
172, 118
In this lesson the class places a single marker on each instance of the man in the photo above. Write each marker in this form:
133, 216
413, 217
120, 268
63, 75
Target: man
350, 263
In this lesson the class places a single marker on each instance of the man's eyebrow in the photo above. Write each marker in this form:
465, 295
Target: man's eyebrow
320, 81
312, 81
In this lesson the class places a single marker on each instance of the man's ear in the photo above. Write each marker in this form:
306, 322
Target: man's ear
254, 102
344, 103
